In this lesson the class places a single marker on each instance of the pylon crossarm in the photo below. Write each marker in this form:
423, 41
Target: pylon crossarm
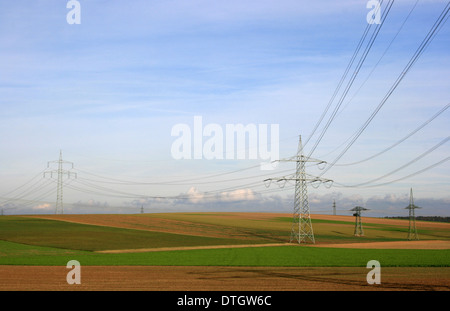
302, 159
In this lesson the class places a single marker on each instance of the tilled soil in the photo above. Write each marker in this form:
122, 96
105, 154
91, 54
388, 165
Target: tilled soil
212, 278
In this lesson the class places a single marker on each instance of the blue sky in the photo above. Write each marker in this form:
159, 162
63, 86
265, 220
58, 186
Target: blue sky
108, 91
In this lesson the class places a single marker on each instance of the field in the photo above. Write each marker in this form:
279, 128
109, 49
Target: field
218, 251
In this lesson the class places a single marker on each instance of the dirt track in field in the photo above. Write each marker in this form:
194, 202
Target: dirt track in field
161, 249
157, 278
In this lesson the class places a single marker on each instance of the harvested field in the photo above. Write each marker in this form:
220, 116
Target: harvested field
157, 278
228, 225
261, 227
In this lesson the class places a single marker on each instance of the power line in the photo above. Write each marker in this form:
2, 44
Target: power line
403, 166
353, 77
14, 190
382, 56
425, 42
341, 81
399, 141
407, 176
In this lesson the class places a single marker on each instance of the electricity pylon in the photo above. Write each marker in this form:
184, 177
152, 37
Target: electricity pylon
334, 207
302, 230
358, 224
60, 173
412, 233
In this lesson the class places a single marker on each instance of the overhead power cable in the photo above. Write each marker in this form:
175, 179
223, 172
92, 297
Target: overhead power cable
352, 78
382, 56
399, 141
403, 166
425, 42
405, 177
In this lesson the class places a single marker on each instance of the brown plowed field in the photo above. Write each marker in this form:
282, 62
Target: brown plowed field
156, 278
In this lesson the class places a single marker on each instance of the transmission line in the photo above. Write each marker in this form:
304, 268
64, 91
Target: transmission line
405, 165
426, 41
382, 56
399, 141
353, 77
405, 177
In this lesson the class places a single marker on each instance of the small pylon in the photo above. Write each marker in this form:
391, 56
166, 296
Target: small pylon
412, 233
358, 223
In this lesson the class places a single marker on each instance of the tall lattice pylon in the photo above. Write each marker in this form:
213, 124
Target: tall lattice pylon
412, 233
302, 230
358, 223
60, 172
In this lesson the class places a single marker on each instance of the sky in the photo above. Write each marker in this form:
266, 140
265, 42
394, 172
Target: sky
107, 93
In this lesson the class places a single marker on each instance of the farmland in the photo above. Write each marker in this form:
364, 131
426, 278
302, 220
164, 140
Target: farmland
235, 242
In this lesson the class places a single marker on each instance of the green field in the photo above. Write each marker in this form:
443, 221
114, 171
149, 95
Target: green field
33, 241
287, 256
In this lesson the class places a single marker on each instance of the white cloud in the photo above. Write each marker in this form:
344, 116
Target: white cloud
91, 203
238, 195
43, 207
194, 195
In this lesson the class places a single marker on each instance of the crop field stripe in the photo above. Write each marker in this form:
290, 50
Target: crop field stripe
61, 234
280, 256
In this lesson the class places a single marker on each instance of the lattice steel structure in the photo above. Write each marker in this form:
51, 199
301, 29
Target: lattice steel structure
358, 223
302, 230
60, 173
412, 233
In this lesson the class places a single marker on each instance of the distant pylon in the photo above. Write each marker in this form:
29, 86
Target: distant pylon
142, 209
334, 207
412, 233
59, 189
302, 230
358, 223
